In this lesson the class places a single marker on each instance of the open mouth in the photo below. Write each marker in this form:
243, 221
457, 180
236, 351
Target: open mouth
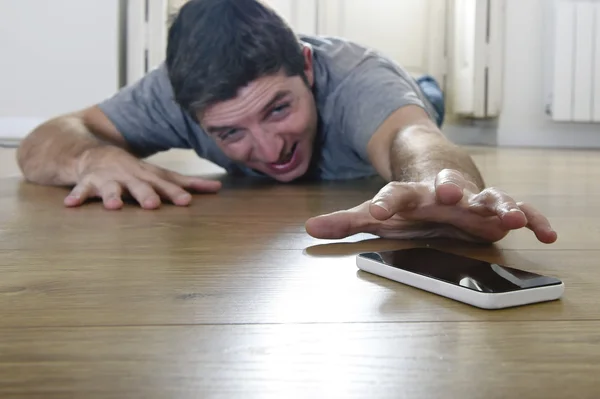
287, 158
287, 162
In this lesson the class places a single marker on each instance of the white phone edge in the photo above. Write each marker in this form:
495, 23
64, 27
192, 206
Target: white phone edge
478, 299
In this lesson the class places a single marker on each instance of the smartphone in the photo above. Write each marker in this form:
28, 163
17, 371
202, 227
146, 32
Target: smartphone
475, 282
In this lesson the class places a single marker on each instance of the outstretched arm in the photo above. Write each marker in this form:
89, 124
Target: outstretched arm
434, 190
409, 147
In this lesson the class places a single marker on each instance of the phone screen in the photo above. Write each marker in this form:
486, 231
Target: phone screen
466, 272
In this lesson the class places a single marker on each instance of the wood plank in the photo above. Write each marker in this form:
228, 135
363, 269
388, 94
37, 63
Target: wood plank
231, 297
243, 256
164, 284
387, 360
275, 214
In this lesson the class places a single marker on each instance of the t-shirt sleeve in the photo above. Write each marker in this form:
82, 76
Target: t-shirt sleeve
369, 95
147, 116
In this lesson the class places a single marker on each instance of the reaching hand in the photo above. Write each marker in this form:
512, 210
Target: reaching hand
110, 173
450, 207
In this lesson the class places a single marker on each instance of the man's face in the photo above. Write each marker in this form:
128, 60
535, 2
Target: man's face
270, 126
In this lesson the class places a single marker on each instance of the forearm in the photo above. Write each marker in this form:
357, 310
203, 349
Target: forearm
418, 154
51, 154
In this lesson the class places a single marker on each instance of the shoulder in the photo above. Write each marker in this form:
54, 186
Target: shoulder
152, 87
340, 61
357, 89
145, 113
335, 59
347, 74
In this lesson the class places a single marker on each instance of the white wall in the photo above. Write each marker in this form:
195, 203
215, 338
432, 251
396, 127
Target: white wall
300, 14
409, 31
57, 56
523, 121
63, 55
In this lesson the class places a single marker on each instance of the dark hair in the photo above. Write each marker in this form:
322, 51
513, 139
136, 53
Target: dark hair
215, 47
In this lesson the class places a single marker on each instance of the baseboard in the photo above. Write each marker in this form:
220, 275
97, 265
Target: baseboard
9, 143
552, 135
13, 130
544, 135
471, 132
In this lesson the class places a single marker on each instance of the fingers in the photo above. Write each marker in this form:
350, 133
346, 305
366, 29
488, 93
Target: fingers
449, 186
341, 224
79, 194
201, 185
146, 187
513, 215
493, 202
169, 191
144, 194
111, 194
188, 182
170, 187
395, 198
539, 224
174, 193
399, 197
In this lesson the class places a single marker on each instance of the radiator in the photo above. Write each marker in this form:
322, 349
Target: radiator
576, 61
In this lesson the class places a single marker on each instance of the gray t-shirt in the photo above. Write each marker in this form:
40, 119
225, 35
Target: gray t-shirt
356, 89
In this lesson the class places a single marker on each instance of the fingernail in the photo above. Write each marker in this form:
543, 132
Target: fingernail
450, 182
382, 204
151, 203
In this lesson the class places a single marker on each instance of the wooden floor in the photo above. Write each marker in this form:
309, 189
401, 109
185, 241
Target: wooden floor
231, 298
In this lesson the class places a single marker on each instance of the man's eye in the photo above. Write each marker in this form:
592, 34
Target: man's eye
279, 109
230, 134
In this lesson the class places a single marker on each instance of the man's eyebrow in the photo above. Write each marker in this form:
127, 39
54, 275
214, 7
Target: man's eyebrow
278, 96
218, 129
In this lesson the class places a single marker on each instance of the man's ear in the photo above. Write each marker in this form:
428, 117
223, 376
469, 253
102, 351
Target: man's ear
308, 64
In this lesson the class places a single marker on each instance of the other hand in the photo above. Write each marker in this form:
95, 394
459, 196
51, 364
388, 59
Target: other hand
449, 207
110, 173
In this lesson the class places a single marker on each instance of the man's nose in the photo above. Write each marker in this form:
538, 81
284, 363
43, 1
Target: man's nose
268, 147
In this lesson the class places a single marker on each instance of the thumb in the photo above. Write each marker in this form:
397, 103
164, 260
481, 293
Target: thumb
203, 185
192, 183
340, 224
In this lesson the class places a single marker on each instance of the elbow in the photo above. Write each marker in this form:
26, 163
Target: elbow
28, 153
23, 156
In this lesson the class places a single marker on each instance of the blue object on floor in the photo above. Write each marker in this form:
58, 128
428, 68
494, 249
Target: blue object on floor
434, 93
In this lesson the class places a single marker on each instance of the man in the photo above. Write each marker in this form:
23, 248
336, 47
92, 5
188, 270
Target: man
242, 90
